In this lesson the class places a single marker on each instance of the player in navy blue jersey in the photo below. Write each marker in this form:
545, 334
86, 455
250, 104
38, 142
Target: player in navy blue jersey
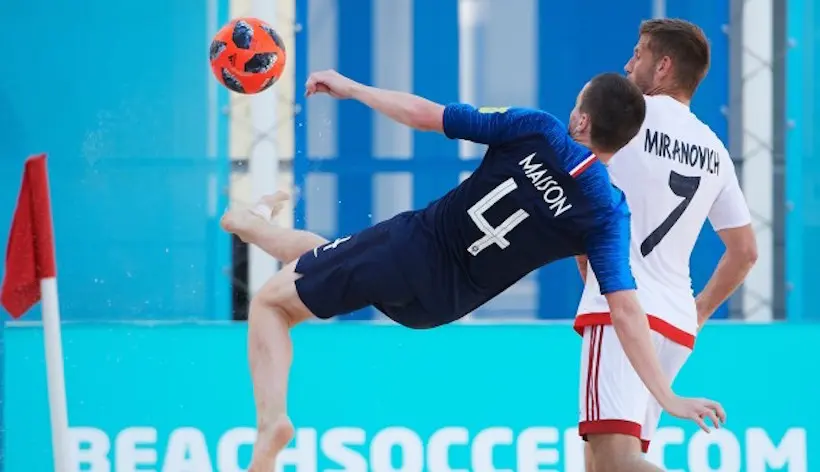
540, 194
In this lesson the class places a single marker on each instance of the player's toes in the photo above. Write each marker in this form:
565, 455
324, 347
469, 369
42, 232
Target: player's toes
229, 222
279, 195
275, 202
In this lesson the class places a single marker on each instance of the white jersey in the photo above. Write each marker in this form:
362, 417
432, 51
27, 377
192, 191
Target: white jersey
675, 173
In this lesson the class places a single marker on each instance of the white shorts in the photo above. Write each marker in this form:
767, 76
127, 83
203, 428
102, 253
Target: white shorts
613, 399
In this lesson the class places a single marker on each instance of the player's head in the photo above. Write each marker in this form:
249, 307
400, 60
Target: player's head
608, 113
672, 56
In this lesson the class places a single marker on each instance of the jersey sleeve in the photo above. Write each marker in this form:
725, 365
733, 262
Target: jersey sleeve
730, 209
494, 125
608, 254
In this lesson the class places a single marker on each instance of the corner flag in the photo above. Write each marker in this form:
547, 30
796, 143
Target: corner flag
30, 251
30, 276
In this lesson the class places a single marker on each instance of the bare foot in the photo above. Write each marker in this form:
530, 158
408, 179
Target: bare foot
269, 443
239, 221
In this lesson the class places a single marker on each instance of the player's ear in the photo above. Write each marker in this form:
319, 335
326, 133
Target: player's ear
664, 66
582, 124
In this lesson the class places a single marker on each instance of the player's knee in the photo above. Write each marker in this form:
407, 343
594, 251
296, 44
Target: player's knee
272, 303
278, 297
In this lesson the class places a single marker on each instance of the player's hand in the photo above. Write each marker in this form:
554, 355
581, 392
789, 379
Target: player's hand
330, 82
697, 410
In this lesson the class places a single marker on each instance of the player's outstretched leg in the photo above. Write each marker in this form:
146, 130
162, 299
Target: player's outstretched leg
254, 226
274, 310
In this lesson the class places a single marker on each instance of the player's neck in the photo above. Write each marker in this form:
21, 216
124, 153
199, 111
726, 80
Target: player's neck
681, 97
602, 156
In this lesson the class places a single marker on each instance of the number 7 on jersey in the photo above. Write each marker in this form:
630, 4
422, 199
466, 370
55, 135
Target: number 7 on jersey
682, 186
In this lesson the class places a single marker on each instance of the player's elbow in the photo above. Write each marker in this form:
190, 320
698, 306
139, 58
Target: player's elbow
624, 306
427, 116
623, 314
744, 249
748, 254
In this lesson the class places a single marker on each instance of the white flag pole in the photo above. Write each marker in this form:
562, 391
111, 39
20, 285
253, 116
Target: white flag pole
55, 374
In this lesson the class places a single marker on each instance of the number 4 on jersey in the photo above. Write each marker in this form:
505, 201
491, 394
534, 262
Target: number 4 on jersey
494, 235
682, 186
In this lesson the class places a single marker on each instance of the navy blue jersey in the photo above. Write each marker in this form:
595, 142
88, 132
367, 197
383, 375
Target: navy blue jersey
538, 196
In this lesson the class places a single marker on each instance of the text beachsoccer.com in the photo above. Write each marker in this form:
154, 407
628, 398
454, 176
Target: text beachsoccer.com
351, 449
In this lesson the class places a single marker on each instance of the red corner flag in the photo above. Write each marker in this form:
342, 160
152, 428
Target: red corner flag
31, 274
30, 253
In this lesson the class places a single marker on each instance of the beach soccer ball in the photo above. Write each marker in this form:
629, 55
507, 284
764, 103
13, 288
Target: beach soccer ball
247, 55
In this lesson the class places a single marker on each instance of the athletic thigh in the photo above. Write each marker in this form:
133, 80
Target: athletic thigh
614, 453
612, 398
354, 272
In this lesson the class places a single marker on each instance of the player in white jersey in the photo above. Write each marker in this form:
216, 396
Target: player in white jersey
676, 174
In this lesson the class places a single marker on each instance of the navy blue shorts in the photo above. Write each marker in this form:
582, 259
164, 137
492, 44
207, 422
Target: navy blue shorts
358, 271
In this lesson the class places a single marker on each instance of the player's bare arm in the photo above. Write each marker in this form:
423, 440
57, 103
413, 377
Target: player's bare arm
406, 108
632, 326
730, 217
736, 262
608, 251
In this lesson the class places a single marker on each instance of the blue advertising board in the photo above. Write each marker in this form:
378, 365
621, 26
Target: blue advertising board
178, 398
